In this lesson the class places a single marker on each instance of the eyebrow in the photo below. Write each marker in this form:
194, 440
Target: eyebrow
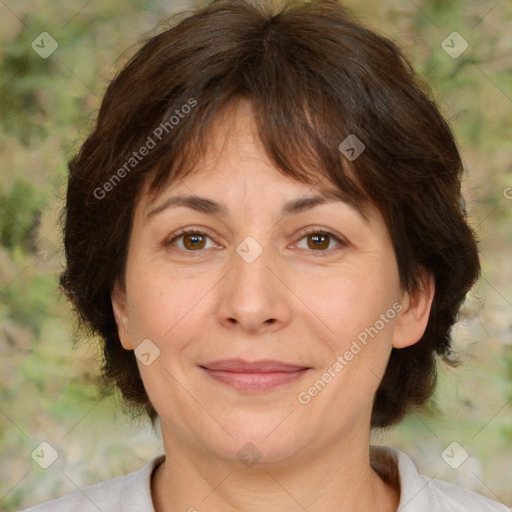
294, 207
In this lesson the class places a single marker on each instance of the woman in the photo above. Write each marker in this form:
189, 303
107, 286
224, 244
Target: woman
265, 228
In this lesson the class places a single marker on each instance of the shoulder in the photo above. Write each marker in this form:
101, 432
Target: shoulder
125, 493
454, 498
419, 493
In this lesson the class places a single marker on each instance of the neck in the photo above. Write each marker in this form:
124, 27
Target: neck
341, 479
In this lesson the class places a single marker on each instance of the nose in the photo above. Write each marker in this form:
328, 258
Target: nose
253, 296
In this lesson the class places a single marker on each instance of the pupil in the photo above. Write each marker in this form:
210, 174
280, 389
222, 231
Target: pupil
318, 240
194, 240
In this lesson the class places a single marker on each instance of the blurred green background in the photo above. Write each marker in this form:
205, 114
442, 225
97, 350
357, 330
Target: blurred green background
47, 108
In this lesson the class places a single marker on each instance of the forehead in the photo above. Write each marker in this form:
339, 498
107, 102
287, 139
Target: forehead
233, 159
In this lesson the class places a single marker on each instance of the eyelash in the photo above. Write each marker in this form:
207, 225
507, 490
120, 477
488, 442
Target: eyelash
306, 232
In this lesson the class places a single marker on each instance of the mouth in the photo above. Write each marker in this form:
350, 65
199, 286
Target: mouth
255, 376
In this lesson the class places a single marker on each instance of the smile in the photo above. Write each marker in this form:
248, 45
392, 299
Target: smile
255, 381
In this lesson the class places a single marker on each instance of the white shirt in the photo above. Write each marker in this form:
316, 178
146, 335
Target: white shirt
132, 493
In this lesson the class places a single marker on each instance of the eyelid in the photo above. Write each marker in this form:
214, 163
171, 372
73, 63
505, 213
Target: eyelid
188, 231
316, 230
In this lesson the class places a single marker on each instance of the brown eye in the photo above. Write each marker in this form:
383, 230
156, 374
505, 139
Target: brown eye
193, 241
319, 241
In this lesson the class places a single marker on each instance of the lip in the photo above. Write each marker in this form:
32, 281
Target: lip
254, 376
261, 366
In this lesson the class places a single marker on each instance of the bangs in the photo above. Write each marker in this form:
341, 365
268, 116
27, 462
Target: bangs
307, 151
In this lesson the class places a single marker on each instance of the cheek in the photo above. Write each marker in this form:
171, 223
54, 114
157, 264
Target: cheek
353, 302
164, 304
358, 311
361, 324
152, 300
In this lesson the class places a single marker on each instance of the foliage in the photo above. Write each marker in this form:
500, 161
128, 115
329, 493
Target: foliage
47, 106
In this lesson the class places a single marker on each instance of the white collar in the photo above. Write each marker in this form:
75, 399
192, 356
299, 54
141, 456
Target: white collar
418, 493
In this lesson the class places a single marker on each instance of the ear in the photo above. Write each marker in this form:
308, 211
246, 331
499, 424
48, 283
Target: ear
119, 305
412, 322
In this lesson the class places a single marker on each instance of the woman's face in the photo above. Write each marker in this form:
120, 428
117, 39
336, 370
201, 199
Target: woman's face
254, 286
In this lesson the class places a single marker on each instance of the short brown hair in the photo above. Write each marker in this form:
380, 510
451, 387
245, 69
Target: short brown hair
314, 76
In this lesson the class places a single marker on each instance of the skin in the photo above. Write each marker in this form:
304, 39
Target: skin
295, 303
